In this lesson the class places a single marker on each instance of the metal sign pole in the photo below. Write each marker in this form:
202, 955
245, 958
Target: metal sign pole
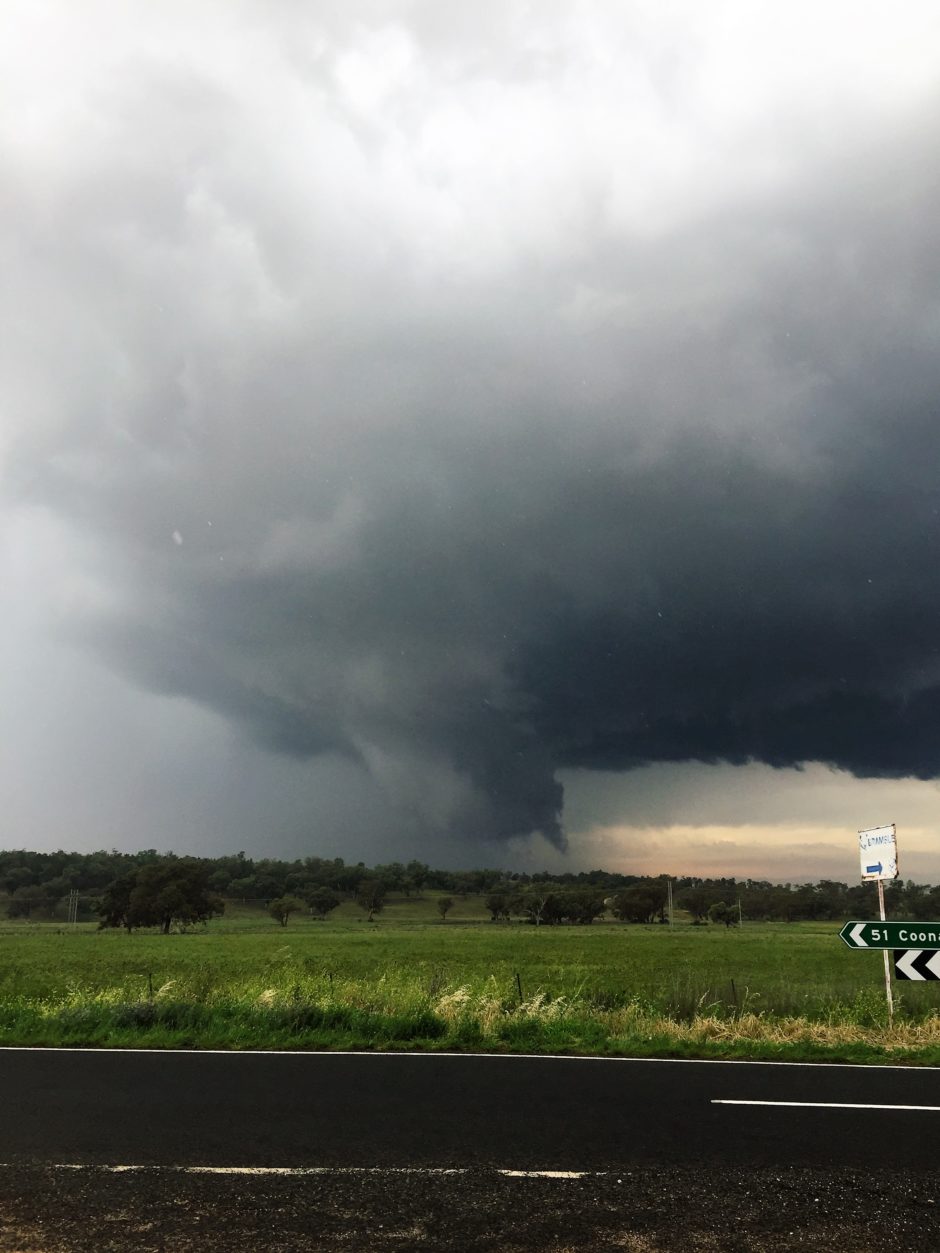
888, 993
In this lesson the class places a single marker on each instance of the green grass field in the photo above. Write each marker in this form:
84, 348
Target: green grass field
408, 980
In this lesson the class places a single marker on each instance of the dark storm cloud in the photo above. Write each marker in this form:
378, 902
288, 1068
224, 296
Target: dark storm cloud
470, 491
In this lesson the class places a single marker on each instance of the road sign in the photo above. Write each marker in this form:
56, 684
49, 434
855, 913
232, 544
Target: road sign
890, 934
878, 852
917, 963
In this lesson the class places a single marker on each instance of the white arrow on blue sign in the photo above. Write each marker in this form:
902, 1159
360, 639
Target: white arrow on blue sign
878, 853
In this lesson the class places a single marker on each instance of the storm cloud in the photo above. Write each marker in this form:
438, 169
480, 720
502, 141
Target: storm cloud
476, 401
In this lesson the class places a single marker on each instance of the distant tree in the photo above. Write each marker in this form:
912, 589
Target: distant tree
244, 888
861, 900
99, 871
464, 882
910, 900
322, 901
26, 902
370, 896
161, 894
639, 903
498, 903
444, 905
114, 906
581, 907
347, 878
723, 913
18, 877
282, 907
220, 881
539, 904
696, 902
299, 883
828, 902
418, 874
393, 875
931, 903
784, 904
269, 883
58, 886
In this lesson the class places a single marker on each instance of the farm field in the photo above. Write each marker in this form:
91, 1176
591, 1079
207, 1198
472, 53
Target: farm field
409, 980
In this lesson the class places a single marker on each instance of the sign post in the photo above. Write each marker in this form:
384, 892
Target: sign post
878, 854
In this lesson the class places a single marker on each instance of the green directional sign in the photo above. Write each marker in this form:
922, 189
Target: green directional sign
891, 934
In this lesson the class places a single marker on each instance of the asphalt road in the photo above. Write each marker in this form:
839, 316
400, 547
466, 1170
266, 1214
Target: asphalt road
408, 1110
114, 1151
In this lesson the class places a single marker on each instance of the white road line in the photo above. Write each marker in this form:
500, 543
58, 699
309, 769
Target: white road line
110, 1169
299, 1171
416, 1056
551, 1174
831, 1105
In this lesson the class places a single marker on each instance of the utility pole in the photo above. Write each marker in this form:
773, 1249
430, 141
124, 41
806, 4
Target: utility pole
669, 900
73, 905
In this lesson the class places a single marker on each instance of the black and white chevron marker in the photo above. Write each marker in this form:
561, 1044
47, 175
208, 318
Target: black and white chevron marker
917, 963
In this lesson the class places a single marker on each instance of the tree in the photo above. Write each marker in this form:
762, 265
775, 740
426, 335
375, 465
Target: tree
418, 874
18, 877
245, 888
538, 904
114, 907
29, 900
639, 903
322, 901
720, 912
581, 907
282, 907
159, 894
696, 901
444, 905
220, 881
270, 879
498, 903
393, 875
370, 896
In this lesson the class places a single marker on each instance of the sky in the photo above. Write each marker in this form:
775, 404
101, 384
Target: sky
497, 434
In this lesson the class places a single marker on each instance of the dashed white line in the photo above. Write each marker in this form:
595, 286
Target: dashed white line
108, 1168
550, 1174
299, 1171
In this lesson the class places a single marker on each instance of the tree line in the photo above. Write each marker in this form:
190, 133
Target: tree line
147, 888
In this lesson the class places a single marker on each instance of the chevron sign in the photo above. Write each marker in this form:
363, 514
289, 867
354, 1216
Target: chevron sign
917, 963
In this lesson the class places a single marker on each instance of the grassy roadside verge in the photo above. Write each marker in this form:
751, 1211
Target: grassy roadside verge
459, 1019
768, 993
